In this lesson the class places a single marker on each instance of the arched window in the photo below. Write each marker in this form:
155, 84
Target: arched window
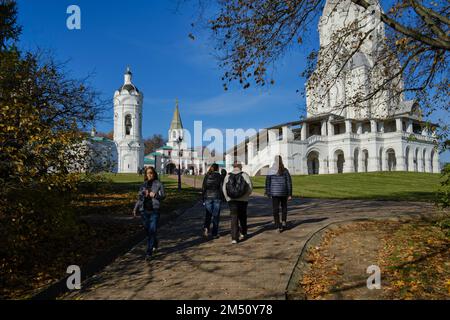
392, 161
128, 124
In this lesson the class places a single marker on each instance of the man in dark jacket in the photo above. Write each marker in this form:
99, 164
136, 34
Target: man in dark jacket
212, 199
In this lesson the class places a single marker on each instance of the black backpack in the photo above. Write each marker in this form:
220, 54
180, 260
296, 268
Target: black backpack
236, 186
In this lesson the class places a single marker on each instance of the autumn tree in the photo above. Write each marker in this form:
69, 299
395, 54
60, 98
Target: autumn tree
43, 113
108, 135
153, 143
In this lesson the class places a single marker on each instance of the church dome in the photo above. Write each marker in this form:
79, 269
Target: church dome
128, 85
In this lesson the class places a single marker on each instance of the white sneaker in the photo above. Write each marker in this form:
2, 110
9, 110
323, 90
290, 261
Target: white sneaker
233, 242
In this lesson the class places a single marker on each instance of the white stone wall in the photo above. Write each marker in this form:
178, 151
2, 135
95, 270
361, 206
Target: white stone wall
365, 152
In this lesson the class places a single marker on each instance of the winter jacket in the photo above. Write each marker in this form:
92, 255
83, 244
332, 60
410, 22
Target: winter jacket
246, 178
279, 185
157, 188
212, 186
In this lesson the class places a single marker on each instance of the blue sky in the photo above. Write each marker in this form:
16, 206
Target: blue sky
152, 38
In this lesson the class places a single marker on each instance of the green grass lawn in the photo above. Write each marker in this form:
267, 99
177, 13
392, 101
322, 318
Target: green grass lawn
120, 196
374, 185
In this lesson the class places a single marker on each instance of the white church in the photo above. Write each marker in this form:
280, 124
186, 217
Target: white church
128, 150
176, 153
384, 134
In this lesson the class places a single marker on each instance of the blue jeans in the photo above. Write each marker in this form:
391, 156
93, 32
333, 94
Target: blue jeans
212, 207
150, 220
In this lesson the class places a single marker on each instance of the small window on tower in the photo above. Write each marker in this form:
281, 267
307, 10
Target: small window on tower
128, 124
174, 135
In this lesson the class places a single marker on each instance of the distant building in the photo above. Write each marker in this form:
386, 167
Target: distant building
98, 154
176, 154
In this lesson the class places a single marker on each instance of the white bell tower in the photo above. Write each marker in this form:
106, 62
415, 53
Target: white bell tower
128, 126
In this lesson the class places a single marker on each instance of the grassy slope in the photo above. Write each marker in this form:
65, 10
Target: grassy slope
373, 185
107, 200
127, 185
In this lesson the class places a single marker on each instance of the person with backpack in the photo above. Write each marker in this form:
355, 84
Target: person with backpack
212, 199
279, 188
237, 187
150, 195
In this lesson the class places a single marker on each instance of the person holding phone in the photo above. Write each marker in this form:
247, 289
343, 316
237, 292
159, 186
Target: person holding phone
150, 195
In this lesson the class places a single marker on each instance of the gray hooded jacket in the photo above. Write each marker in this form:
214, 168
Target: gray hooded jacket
157, 188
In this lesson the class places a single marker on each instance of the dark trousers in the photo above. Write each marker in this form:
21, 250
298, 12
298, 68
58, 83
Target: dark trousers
276, 202
238, 211
150, 219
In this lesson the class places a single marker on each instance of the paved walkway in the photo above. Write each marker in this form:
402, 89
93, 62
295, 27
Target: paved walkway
189, 267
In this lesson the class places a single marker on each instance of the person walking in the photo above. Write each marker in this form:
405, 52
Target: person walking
212, 199
279, 188
150, 195
237, 187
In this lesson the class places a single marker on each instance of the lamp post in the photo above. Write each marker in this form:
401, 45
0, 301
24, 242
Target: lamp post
178, 141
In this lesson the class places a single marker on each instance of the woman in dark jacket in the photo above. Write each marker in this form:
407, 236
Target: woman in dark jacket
279, 188
212, 199
150, 195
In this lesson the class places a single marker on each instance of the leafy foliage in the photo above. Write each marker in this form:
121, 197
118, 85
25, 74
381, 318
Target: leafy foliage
444, 190
153, 143
43, 112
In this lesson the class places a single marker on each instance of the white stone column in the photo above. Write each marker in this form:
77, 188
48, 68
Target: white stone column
409, 128
332, 165
228, 163
272, 135
304, 131
250, 151
359, 128
348, 126
361, 161
400, 162
324, 128
385, 161
330, 128
428, 163
398, 125
411, 160
436, 164
373, 126
348, 161
288, 135
323, 167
